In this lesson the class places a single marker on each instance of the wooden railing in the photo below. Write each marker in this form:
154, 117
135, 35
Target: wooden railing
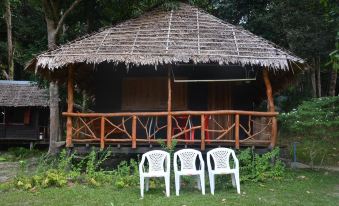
220, 127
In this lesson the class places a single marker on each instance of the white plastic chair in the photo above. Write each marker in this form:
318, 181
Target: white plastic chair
156, 161
187, 159
221, 159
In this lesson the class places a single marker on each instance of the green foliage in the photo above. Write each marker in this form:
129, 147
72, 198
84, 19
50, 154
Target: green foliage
19, 153
66, 169
126, 175
334, 55
317, 117
255, 167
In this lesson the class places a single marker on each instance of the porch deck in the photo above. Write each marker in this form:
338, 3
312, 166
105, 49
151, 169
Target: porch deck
190, 128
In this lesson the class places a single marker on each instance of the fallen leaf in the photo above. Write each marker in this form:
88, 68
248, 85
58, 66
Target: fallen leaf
308, 192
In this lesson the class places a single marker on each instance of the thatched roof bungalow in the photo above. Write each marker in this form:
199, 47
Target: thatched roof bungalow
23, 111
182, 74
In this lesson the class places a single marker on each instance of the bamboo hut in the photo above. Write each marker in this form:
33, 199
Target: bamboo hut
181, 75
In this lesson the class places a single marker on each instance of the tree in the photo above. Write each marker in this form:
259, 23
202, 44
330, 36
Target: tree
334, 61
8, 17
55, 18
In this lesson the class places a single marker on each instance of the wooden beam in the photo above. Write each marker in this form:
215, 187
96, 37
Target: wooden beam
169, 107
70, 103
202, 146
237, 125
270, 106
102, 133
134, 132
176, 113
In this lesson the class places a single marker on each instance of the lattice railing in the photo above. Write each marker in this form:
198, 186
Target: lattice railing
223, 127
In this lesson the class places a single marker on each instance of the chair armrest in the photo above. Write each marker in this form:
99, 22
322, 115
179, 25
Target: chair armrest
236, 161
202, 162
175, 163
141, 165
168, 163
209, 167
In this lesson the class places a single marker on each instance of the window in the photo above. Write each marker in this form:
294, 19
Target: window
18, 115
144, 94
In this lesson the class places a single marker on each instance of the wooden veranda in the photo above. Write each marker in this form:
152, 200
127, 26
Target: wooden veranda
122, 127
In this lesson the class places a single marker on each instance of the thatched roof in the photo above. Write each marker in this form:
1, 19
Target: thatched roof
22, 94
185, 35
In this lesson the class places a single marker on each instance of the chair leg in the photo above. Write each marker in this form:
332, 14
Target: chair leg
237, 181
199, 182
167, 184
177, 184
142, 186
202, 182
147, 184
233, 180
212, 184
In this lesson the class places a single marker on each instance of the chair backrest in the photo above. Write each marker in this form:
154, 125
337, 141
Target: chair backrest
221, 158
156, 160
187, 159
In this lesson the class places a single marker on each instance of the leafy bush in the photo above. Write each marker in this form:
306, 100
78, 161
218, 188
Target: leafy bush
317, 117
127, 174
255, 167
66, 168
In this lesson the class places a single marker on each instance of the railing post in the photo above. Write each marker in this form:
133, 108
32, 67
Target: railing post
202, 146
70, 102
237, 144
102, 133
169, 107
270, 106
274, 131
134, 132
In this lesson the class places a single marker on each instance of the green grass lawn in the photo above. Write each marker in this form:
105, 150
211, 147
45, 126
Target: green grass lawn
296, 188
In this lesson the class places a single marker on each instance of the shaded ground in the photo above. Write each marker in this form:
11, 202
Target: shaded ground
296, 188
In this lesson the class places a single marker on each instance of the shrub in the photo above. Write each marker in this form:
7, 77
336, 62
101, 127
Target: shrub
316, 117
255, 167
126, 175
66, 168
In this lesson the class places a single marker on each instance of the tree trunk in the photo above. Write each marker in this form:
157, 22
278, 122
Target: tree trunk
313, 81
333, 82
318, 77
8, 18
54, 123
54, 18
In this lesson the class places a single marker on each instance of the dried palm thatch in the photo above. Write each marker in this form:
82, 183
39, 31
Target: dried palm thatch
185, 35
22, 94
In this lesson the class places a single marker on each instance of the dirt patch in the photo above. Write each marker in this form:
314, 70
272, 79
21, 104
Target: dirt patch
8, 170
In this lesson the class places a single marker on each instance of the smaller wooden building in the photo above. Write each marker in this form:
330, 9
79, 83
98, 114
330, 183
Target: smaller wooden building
23, 111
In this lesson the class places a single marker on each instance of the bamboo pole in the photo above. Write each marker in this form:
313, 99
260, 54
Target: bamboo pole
176, 113
134, 132
70, 103
169, 107
270, 106
102, 133
237, 125
202, 146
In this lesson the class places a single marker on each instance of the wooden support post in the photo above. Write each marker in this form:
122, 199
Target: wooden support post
169, 107
237, 125
102, 133
70, 103
270, 106
202, 132
134, 132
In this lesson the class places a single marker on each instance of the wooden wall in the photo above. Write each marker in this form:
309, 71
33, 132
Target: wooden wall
28, 129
